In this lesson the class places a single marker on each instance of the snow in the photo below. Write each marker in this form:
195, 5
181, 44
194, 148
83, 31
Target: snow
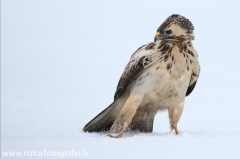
60, 68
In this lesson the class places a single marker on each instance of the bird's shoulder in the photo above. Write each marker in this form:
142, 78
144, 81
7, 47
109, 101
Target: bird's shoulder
151, 47
140, 60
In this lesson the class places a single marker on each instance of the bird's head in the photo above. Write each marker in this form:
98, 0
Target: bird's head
175, 27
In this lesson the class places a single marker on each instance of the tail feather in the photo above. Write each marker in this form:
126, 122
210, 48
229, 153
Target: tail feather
142, 123
104, 120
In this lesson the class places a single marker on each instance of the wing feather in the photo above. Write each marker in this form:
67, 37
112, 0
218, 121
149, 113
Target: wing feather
140, 60
190, 88
194, 78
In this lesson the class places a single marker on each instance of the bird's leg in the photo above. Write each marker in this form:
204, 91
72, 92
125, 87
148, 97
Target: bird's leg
174, 116
119, 135
126, 114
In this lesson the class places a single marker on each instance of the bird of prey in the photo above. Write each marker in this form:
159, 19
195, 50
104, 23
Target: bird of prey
158, 76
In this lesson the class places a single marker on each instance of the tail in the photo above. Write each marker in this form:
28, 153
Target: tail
143, 121
104, 120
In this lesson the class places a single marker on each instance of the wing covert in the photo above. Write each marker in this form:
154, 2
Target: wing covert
193, 80
141, 59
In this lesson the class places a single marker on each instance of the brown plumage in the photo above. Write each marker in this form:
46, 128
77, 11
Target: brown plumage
158, 76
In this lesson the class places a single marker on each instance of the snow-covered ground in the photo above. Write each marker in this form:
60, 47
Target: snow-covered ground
61, 62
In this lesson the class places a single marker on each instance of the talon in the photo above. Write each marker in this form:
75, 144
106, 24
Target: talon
117, 136
176, 131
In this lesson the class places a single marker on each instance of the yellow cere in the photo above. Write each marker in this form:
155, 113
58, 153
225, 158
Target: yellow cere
158, 33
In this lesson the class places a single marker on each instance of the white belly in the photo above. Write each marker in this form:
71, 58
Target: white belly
161, 88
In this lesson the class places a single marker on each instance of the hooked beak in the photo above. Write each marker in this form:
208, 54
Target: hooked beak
157, 36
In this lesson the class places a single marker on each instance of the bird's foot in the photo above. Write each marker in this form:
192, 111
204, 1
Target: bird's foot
176, 131
117, 136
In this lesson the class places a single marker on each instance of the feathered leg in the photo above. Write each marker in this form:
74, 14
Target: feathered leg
126, 114
174, 116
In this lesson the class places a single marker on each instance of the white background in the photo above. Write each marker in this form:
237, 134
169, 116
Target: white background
61, 62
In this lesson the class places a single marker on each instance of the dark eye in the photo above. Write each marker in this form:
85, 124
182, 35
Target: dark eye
169, 31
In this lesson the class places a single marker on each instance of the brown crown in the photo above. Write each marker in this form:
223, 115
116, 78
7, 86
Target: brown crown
179, 20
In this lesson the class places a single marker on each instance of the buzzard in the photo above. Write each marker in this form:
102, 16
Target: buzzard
158, 76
